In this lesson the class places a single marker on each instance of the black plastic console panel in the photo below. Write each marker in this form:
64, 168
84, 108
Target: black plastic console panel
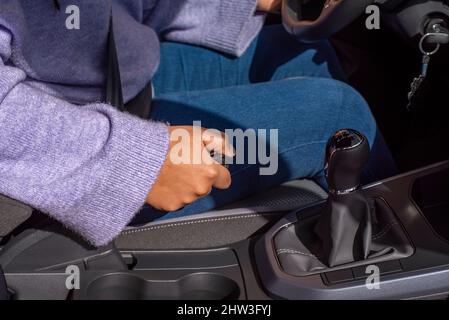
431, 195
169, 275
37, 265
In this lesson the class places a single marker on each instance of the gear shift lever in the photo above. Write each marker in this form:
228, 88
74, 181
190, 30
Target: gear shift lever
344, 229
347, 153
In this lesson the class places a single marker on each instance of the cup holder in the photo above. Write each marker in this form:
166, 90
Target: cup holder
197, 286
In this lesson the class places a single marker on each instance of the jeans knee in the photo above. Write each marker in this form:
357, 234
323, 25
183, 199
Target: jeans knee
355, 113
326, 57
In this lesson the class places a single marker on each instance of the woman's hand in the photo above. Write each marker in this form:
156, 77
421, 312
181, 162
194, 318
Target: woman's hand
269, 5
189, 172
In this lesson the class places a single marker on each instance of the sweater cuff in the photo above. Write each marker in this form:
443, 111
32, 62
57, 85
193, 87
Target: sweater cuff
237, 24
138, 159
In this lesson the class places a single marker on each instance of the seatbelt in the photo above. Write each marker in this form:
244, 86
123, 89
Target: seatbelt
114, 95
139, 105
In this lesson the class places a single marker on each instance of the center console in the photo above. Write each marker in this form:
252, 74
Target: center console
419, 200
402, 231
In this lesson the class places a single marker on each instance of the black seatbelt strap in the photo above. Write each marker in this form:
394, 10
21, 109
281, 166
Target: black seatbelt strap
140, 105
114, 94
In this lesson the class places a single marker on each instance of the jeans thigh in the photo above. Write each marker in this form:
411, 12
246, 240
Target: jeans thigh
305, 112
273, 55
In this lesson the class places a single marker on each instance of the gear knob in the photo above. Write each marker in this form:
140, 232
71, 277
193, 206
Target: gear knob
347, 153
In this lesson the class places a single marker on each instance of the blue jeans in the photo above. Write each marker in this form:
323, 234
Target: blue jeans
278, 83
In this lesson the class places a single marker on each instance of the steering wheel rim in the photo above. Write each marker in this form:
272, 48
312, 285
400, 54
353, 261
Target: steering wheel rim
335, 15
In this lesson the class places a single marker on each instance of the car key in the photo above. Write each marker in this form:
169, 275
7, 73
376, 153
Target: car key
417, 83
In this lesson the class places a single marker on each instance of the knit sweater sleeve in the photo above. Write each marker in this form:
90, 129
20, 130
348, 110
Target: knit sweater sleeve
225, 25
89, 167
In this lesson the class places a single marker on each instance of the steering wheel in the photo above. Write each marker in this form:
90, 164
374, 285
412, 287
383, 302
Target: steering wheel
314, 20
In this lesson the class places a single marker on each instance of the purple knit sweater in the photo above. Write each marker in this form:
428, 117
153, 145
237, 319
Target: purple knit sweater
62, 150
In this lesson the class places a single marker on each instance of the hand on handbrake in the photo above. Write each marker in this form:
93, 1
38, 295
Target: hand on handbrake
183, 182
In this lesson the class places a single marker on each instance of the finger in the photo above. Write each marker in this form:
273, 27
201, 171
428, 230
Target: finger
217, 141
223, 179
203, 190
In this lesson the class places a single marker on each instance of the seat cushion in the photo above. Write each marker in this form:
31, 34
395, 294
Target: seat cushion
226, 225
12, 214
